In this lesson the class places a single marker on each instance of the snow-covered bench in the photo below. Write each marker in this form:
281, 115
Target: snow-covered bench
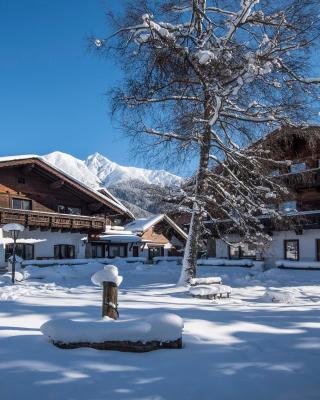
213, 280
210, 292
287, 264
224, 262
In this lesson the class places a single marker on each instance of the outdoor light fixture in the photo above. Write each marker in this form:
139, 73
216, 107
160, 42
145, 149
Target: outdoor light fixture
14, 230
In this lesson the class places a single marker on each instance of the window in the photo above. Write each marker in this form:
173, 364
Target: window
291, 249
243, 250
275, 172
117, 250
135, 251
69, 210
155, 251
98, 250
288, 206
298, 167
62, 251
21, 204
23, 250
318, 249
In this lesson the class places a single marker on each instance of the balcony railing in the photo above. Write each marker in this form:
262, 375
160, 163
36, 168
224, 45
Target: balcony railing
54, 221
302, 179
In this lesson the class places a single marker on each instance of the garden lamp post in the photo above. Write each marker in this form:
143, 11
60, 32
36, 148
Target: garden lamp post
14, 230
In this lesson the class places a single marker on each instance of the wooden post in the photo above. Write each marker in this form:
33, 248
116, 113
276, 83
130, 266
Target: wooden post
110, 300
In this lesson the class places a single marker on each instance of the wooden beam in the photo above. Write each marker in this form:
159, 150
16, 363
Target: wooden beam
26, 170
57, 184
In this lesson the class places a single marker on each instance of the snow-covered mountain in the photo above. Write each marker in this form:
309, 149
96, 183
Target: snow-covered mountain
129, 184
111, 174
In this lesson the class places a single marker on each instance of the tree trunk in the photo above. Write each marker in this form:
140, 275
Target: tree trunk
189, 264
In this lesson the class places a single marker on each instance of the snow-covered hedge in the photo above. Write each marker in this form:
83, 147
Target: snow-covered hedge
226, 262
298, 264
62, 272
163, 327
73, 261
79, 261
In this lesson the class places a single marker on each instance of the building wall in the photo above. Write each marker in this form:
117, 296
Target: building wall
307, 246
44, 242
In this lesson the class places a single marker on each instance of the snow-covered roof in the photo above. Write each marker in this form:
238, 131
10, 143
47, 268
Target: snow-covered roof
141, 225
112, 200
120, 238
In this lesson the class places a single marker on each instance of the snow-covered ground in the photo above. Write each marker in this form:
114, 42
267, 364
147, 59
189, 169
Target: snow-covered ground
246, 347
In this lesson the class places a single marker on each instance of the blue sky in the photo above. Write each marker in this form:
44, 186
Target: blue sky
51, 87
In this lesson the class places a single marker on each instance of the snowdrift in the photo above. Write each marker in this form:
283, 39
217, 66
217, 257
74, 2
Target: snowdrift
298, 264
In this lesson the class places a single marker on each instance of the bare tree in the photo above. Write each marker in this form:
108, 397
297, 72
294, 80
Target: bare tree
205, 79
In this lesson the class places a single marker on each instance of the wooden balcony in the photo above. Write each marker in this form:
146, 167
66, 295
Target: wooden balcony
52, 221
302, 180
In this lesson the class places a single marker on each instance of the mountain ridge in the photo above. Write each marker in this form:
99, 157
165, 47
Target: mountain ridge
128, 184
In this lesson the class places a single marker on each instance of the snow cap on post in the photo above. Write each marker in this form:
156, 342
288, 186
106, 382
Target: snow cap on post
108, 274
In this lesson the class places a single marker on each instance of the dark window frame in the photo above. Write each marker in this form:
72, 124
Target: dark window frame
60, 247
285, 242
18, 252
241, 254
152, 247
123, 245
135, 251
65, 209
21, 180
318, 249
22, 200
102, 245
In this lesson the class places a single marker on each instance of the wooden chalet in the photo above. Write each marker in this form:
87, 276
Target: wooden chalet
57, 211
297, 236
156, 236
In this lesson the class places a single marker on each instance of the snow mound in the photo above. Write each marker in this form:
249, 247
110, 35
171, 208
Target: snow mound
298, 264
6, 278
276, 296
63, 272
213, 280
163, 327
108, 274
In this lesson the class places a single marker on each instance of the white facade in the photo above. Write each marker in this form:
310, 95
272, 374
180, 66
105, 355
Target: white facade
307, 246
44, 241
